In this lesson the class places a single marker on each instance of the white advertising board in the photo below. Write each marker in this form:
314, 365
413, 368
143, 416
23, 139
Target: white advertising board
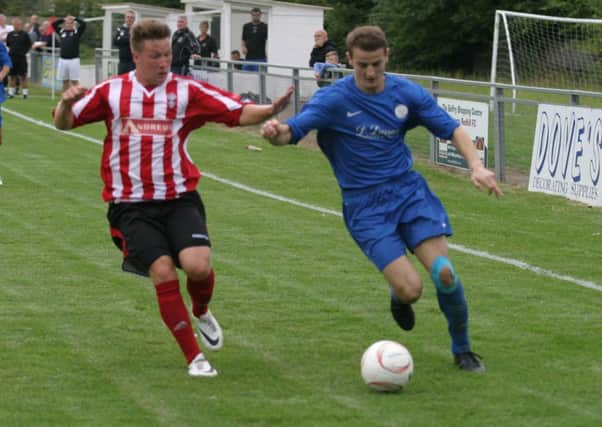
567, 151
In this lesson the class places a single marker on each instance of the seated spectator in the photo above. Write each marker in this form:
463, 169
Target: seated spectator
323, 71
235, 56
321, 46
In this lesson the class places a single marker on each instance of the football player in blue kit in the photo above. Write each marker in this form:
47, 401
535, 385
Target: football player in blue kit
388, 207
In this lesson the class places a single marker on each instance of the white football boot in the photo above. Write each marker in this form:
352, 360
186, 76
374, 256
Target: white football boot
210, 331
200, 367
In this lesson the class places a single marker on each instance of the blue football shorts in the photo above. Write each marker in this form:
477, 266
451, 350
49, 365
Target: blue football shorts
391, 217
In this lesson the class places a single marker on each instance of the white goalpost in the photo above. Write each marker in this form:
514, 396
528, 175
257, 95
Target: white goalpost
547, 51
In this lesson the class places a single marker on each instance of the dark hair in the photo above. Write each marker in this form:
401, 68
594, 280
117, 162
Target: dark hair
256, 9
148, 29
368, 38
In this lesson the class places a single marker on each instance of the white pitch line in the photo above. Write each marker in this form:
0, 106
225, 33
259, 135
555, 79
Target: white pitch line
509, 261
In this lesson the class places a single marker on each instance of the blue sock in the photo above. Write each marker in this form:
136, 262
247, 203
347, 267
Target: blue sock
454, 306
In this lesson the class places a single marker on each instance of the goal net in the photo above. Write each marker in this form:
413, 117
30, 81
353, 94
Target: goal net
548, 51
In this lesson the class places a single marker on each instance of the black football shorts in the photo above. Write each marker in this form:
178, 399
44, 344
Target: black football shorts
19, 67
144, 231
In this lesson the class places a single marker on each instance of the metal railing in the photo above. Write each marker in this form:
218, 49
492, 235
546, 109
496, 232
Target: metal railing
271, 80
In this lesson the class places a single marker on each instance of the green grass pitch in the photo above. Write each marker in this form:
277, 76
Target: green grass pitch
82, 344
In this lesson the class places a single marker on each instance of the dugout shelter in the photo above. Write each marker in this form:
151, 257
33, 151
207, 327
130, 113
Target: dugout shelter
290, 25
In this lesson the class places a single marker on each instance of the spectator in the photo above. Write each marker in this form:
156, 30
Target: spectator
208, 47
34, 29
323, 70
19, 44
235, 56
184, 46
254, 38
122, 42
5, 66
70, 36
46, 37
321, 46
4, 28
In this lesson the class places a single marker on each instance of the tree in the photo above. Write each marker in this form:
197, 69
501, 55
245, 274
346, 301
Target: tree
453, 35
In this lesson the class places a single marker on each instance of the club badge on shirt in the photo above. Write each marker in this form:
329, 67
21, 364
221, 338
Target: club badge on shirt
401, 111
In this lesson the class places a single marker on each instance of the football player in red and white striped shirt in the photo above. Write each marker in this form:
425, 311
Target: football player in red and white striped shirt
156, 215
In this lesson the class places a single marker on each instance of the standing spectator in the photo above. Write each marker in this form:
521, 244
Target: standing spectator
19, 44
321, 46
46, 38
4, 28
235, 56
254, 38
388, 207
156, 215
323, 70
183, 45
208, 46
34, 30
70, 36
122, 42
5, 66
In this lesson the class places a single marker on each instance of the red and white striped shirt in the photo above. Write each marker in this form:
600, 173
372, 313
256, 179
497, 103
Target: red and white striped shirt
144, 155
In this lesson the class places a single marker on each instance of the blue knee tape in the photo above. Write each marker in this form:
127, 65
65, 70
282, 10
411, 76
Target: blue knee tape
439, 264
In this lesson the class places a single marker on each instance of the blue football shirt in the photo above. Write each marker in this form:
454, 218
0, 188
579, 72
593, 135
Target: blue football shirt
4, 60
363, 135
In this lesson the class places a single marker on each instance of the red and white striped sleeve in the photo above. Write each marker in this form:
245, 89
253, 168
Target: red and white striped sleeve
93, 107
211, 104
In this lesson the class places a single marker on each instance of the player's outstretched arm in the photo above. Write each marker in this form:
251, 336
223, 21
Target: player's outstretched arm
480, 176
253, 114
275, 132
63, 116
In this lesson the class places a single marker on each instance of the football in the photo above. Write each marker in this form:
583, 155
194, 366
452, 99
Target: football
387, 366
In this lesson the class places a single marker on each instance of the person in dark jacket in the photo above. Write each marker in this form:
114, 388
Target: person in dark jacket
321, 46
208, 46
184, 45
18, 43
122, 42
70, 36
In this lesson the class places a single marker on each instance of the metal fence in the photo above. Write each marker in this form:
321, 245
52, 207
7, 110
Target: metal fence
512, 118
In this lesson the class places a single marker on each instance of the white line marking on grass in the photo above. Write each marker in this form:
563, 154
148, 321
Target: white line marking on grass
509, 261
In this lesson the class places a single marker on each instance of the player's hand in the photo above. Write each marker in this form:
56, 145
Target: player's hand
281, 103
73, 94
270, 129
483, 177
275, 132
